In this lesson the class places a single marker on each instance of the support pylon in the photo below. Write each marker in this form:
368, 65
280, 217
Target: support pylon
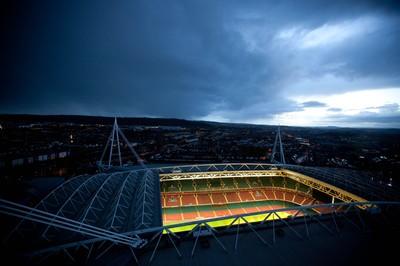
282, 156
114, 137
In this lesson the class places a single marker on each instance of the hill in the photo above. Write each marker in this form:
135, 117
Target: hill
82, 119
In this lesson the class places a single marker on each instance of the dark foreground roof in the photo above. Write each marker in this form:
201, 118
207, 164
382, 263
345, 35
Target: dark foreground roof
353, 238
348, 245
70, 230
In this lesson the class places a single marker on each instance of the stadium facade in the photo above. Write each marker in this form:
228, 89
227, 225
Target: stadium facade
242, 214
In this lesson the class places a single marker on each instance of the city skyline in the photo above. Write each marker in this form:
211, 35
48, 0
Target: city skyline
309, 63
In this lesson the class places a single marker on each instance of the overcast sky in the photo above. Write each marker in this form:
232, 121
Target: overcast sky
296, 63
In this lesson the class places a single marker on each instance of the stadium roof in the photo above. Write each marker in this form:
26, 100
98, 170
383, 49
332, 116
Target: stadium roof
116, 216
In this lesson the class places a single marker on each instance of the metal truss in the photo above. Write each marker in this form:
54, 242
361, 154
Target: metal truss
281, 153
361, 183
331, 190
95, 214
223, 174
116, 133
102, 204
298, 224
346, 184
148, 207
120, 211
182, 169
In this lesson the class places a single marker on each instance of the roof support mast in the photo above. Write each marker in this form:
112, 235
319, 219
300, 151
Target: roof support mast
114, 136
282, 156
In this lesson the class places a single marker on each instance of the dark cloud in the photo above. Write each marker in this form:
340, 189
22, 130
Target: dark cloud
334, 109
367, 120
386, 108
313, 104
232, 60
387, 115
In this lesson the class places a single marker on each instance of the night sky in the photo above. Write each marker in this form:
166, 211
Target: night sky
296, 63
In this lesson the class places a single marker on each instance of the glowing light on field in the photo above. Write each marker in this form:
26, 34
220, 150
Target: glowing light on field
225, 222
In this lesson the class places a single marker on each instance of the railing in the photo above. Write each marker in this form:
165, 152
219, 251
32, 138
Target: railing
150, 238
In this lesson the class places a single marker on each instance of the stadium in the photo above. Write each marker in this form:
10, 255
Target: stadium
206, 214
